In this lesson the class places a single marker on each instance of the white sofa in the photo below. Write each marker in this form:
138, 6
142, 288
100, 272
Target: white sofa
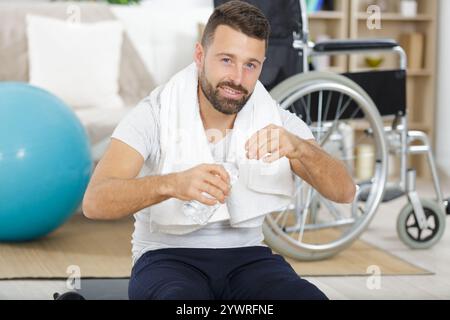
159, 40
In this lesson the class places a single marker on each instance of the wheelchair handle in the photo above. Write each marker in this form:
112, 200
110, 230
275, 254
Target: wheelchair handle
344, 47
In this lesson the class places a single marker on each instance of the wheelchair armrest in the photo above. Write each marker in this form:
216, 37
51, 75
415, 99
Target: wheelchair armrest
354, 45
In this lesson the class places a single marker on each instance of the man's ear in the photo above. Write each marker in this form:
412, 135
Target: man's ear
199, 55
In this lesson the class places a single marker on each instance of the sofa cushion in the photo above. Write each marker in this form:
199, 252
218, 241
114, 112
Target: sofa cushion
78, 62
134, 80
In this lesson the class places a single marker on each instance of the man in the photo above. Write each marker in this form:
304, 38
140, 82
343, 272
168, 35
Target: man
173, 257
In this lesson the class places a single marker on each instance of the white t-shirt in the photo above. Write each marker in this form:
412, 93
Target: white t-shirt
140, 130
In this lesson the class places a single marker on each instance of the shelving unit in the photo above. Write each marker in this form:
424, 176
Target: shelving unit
420, 82
335, 25
348, 20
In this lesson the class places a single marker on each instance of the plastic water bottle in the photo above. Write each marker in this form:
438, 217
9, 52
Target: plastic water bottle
200, 213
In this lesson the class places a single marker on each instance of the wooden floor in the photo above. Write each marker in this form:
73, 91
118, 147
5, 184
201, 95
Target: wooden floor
382, 233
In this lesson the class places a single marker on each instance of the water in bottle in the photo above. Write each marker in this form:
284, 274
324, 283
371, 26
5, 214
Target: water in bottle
200, 213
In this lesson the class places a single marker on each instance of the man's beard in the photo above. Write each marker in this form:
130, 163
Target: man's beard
222, 104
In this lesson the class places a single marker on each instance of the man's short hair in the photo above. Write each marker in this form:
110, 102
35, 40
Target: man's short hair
241, 16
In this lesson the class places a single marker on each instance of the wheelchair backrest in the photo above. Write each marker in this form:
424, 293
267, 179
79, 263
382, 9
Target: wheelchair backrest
387, 88
282, 60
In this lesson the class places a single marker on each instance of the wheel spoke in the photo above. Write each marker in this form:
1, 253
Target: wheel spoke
308, 117
283, 224
330, 94
334, 212
419, 233
341, 96
304, 215
309, 108
344, 108
319, 115
354, 113
279, 215
414, 221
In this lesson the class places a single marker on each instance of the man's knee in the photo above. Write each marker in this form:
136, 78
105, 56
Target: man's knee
300, 289
184, 291
172, 290
314, 293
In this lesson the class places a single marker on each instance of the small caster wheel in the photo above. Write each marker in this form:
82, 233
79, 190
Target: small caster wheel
408, 227
447, 205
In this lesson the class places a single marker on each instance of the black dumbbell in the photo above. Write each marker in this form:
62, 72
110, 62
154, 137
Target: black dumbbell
71, 295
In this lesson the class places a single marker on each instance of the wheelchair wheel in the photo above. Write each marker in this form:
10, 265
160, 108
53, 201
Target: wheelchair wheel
408, 229
341, 116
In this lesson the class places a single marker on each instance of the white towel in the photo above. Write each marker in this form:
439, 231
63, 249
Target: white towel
261, 187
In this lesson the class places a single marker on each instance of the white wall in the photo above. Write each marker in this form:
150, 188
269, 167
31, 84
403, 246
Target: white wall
442, 116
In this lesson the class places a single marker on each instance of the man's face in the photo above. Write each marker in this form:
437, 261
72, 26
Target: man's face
229, 68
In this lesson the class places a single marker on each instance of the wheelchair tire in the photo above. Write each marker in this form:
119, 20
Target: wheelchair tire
447, 206
279, 240
433, 213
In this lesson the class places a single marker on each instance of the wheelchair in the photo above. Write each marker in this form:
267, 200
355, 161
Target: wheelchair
345, 112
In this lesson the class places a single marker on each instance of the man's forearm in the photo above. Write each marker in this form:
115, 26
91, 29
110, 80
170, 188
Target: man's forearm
325, 173
116, 198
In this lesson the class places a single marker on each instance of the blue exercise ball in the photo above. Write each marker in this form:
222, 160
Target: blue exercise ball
45, 162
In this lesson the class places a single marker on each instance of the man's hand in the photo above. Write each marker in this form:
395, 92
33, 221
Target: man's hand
191, 184
271, 143
308, 160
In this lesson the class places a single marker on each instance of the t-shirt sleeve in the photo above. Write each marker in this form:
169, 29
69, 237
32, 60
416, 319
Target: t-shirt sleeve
292, 123
139, 129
